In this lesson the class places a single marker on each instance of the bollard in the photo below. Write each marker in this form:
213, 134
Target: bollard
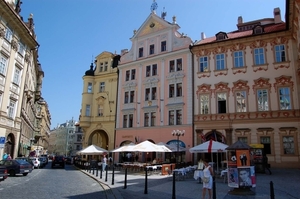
93, 169
272, 190
113, 175
214, 188
101, 173
173, 189
105, 173
125, 181
146, 181
97, 171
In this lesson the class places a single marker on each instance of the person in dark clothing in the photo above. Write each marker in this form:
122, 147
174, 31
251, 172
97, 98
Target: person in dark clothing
266, 164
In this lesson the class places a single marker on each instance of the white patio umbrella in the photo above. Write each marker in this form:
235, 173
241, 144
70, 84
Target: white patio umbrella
209, 147
92, 150
147, 146
172, 147
125, 148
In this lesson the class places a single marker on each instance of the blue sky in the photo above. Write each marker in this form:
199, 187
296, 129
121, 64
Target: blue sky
71, 33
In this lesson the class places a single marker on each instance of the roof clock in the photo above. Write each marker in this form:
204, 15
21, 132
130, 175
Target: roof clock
154, 6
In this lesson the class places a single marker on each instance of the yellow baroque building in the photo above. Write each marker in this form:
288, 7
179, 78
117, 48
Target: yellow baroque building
98, 108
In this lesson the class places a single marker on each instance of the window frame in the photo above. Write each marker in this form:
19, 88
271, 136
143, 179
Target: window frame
163, 46
175, 65
102, 87
220, 61
3, 64
289, 96
90, 87
278, 53
8, 34
220, 109
11, 108
17, 76
258, 99
151, 49
245, 101
288, 142
202, 110
259, 57
141, 52
87, 110
238, 59
203, 63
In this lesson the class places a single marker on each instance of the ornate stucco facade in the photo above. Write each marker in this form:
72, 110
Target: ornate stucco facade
21, 81
247, 86
99, 98
152, 101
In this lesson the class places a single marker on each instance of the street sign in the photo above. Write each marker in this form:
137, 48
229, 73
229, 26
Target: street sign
2, 142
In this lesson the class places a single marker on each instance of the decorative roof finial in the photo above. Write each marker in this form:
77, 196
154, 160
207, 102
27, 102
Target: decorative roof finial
153, 7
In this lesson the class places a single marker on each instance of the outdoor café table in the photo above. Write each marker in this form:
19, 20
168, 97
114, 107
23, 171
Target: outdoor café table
224, 173
180, 173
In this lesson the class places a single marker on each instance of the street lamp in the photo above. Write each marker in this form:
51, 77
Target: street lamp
178, 133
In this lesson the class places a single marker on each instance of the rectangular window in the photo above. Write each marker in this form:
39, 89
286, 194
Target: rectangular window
172, 66
126, 98
100, 110
130, 122
204, 104
132, 74
266, 141
163, 46
238, 59
285, 98
101, 67
203, 64
125, 121
262, 100
131, 96
88, 110
3, 64
147, 94
8, 34
17, 76
179, 65
146, 119
240, 98
151, 49
171, 91
179, 89
259, 57
221, 102
178, 117
105, 66
243, 139
90, 87
154, 69
21, 48
127, 75
288, 145
102, 87
153, 119
141, 52
148, 71
171, 117
153, 90
11, 109
280, 53
220, 62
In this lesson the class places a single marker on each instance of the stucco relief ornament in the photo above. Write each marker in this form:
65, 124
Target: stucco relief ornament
2, 32
27, 57
14, 45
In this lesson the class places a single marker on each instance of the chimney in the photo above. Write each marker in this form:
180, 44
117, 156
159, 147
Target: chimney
240, 20
203, 36
277, 15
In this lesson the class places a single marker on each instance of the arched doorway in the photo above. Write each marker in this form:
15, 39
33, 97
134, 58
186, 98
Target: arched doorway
98, 138
123, 156
10, 145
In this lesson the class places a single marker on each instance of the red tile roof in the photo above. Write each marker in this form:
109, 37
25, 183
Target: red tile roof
238, 34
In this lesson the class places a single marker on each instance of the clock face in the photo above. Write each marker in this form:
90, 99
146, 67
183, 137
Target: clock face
154, 6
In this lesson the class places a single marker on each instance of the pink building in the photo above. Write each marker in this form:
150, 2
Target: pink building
152, 102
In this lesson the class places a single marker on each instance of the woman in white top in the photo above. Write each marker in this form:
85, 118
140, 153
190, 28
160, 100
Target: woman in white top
207, 173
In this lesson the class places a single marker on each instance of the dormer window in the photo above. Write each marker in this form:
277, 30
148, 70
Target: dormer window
221, 36
258, 30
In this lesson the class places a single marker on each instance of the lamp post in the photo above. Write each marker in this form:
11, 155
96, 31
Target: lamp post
178, 133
